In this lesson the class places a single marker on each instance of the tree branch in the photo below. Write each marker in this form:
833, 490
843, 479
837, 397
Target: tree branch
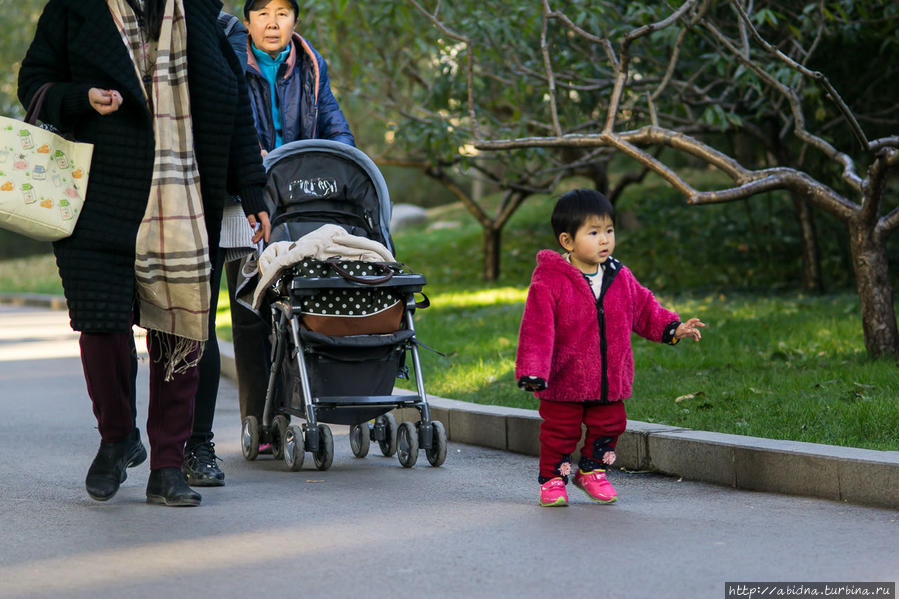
548, 67
672, 63
601, 41
849, 174
624, 59
875, 183
469, 59
890, 221
748, 182
818, 76
625, 181
883, 142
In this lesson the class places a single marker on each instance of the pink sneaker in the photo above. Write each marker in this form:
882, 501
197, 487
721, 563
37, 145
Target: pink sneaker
553, 493
265, 448
596, 486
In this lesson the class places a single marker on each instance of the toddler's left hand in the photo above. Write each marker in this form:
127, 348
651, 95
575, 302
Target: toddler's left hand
689, 329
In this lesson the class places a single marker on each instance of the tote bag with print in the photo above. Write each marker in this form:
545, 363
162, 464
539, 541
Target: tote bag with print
43, 177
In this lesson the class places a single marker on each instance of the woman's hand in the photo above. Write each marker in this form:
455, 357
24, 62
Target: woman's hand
104, 101
265, 227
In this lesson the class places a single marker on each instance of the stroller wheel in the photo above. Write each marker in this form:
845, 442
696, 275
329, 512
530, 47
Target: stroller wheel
249, 438
388, 444
292, 447
279, 427
324, 455
437, 453
407, 445
360, 439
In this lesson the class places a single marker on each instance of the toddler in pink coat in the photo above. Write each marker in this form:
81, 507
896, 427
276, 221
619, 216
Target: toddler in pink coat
574, 348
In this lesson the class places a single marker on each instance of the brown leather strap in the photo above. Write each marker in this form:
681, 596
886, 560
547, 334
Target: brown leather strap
363, 280
37, 102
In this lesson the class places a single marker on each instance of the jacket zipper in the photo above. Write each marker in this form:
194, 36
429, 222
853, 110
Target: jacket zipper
603, 345
607, 276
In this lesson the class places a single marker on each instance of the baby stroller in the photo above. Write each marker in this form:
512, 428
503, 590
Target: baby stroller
344, 378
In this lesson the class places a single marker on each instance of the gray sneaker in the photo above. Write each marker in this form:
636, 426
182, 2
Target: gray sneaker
200, 466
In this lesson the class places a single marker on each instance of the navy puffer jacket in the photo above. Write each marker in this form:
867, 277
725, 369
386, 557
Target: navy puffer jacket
309, 109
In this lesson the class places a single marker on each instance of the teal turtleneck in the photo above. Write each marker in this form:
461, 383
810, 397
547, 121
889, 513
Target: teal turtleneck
269, 66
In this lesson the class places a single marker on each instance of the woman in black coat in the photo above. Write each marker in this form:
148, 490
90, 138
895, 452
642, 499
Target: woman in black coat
98, 95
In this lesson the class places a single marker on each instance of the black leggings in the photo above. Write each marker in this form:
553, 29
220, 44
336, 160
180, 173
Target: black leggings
210, 366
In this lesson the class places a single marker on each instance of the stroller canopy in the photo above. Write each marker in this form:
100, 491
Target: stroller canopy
320, 179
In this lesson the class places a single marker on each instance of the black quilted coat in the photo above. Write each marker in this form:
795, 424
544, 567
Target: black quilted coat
77, 46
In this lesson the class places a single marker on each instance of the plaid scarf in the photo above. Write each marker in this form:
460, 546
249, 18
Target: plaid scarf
172, 265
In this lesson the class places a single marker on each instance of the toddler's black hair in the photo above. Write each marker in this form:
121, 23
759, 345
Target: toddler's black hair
573, 209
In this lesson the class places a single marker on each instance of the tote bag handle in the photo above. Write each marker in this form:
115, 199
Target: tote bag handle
37, 102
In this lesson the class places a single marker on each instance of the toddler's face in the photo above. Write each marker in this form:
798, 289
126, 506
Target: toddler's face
271, 25
592, 245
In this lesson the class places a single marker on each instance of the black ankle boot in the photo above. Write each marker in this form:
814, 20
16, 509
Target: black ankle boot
166, 486
107, 471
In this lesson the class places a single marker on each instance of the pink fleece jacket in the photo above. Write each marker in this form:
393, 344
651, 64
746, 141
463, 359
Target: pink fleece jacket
560, 342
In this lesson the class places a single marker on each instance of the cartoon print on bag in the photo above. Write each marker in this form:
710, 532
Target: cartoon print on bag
26, 139
28, 193
39, 173
20, 164
61, 159
65, 210
8, 186
4, 154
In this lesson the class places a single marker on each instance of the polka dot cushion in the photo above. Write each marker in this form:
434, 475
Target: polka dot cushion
347, 302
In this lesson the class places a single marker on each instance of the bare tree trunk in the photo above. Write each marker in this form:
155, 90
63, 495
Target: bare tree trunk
875, 293
492, 247
811, 256
599, 174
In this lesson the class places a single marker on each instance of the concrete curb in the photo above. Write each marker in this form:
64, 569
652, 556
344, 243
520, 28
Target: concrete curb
860, 476
37, 300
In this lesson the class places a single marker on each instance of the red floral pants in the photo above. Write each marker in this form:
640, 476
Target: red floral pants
560, 431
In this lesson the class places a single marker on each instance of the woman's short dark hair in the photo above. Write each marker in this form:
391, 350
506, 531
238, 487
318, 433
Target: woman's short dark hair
573, 209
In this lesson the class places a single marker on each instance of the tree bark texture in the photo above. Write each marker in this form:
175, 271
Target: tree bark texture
811, 256
492, 246
875, 293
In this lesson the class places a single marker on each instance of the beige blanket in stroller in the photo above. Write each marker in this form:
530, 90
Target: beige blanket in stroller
328, 241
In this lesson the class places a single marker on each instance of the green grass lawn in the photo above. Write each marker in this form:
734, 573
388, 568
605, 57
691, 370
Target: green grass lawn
787, 366
777, 364
773, 362
34, 274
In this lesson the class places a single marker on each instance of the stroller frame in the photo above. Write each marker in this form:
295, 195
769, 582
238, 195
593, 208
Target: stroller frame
328, 389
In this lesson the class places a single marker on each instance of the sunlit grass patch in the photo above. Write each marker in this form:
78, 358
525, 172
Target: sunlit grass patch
479, 298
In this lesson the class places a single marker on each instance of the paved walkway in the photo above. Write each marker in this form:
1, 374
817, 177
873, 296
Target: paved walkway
370, 528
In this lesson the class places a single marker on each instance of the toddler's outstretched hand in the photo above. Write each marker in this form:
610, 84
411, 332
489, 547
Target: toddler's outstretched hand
689, 329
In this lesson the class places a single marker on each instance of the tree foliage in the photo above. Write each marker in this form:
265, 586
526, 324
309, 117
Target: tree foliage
519, 93
554, 84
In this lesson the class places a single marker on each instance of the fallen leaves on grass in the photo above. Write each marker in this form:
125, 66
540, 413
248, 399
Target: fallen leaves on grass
681, 398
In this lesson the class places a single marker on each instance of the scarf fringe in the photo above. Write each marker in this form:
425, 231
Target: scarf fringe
176, 352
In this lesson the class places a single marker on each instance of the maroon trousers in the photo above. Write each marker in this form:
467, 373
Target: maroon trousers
560, 431
110, 370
